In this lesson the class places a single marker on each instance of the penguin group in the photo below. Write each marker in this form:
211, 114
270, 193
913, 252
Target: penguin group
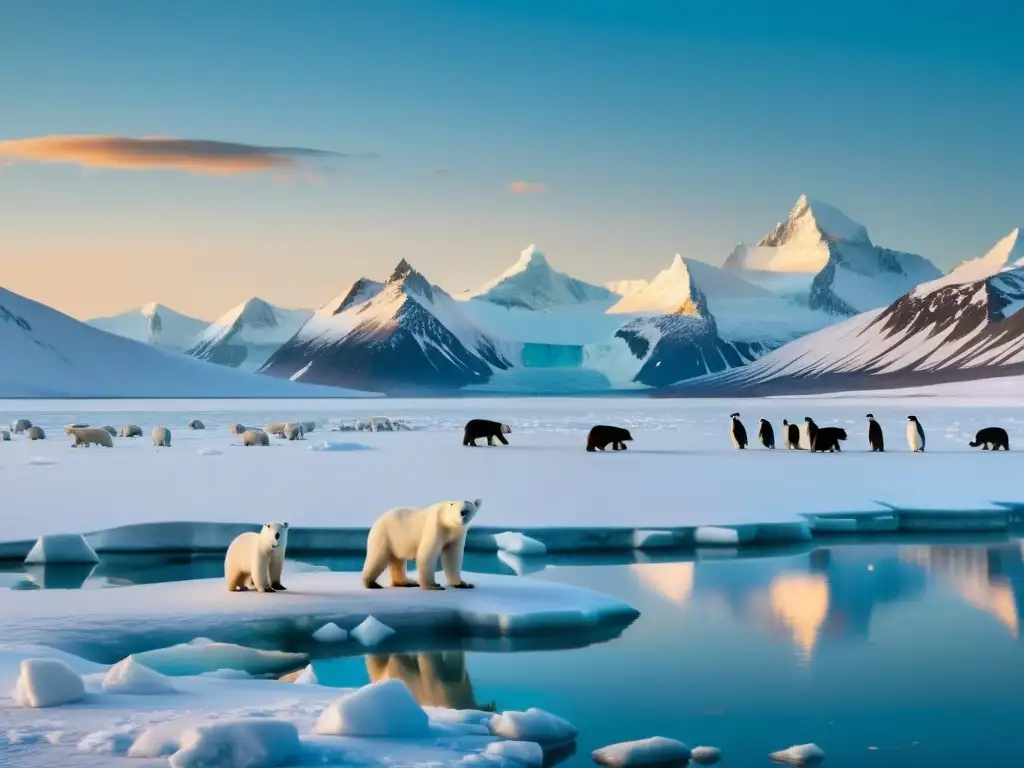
827, 439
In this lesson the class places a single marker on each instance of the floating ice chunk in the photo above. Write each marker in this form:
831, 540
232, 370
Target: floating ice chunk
656, 750
61, 548
653, 539
383, 709
521, 565
371, 631
209, 452
203, 655
110, 741
257, 743
533, 725
528, 753
330, 633
330, 445
516, 543
710, 534
801, 754
130, 677
705, 755
47, 683
307, 677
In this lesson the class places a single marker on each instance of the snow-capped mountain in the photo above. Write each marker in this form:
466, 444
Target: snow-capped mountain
531, 283
49, 354
404, 334
153, 324
698, 319
823, 259
962, 326
248, 334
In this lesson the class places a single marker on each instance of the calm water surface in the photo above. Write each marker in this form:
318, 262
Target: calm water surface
884, 654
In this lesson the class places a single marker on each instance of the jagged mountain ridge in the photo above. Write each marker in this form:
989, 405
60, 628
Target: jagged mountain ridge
247, 334
404, 334
826, 261
947, 330
53, 355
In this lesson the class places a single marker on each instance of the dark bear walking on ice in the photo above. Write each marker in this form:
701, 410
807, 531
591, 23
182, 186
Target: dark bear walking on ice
601, 435
812, 430
477, 428
994, 436
827, 439
791, 435
766, 434
875, 434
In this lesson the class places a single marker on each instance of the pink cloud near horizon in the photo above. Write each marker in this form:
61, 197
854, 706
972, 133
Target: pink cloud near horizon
202, 156
526, 187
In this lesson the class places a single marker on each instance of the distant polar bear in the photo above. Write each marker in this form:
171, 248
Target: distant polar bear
422, 535
131, 430
5, 436
35, 433
308, 426
255, 437
21, 425
162, 437
238, 429
86, 436
196, 424
250, 559
275, 428
293, 430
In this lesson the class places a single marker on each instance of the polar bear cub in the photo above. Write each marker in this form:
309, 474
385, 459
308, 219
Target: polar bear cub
422, 535
257, 559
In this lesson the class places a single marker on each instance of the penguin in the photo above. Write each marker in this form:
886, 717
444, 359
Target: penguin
737, 433
875, 434
812, 430
791, 435
915, 434
766, 434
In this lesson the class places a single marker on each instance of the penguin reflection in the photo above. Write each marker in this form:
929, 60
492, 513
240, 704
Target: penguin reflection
435, 679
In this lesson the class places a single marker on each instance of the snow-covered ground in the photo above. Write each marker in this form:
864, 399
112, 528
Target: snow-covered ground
679, 473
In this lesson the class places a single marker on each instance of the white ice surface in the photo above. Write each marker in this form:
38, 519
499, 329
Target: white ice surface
234, 724
679, 444
47, 683
128, 676
505, 605
385, 708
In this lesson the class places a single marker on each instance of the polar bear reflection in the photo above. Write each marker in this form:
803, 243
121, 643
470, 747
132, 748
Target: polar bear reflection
436, 679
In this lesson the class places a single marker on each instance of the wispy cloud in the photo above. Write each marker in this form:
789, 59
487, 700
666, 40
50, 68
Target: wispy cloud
219, 158
526, 187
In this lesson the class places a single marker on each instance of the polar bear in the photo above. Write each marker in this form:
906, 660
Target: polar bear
250, 559
255, 437
422, 535
84, 437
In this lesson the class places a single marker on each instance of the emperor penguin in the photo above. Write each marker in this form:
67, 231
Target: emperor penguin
766, 434
737, 432
875, 434
915, 434
790, 435
812, 430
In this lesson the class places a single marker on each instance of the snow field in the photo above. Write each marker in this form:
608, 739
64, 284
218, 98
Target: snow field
678, 475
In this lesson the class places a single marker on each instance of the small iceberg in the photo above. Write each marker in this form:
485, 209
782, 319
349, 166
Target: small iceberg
330, 633
710, 534
516, 543
533, 725
202, 655
800, 755
705, 755
385, 709
47, 683
371, 631
656, 750
525, 753
130, 677
262, 742
65, 548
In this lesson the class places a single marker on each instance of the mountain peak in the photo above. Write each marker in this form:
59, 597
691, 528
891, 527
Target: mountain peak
531, 256
1007, 253
152, 308
532, 283
813, 221
406, 278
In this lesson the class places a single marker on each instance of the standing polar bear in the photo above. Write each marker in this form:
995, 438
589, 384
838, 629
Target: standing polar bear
257, 559
422, 535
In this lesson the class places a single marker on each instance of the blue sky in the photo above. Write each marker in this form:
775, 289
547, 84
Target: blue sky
653, 127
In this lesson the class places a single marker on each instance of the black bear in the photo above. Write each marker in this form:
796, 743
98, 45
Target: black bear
996, 436
477, 428
827, 439
600, 436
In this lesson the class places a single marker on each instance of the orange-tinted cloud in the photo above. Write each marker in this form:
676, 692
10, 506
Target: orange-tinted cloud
526, 187
159, 152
